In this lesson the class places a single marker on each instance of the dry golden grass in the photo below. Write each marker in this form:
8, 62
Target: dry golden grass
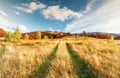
61, 66
20, 61
102, 55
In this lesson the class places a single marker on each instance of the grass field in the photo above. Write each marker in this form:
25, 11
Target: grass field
80, 57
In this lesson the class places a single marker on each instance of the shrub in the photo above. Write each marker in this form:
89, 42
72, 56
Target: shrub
13, 37
26, 37
112, 37
38, 35
9, 37
45, 37
17, 34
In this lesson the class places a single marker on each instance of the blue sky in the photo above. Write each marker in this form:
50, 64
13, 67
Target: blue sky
60, 15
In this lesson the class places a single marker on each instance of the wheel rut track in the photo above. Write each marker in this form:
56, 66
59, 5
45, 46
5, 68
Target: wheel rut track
81, 67
42, 69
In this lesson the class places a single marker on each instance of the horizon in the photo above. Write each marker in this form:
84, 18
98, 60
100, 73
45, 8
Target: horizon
60, 15
63, 32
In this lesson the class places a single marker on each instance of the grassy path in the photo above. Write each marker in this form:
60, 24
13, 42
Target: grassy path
80, 66
61, 65
42, 69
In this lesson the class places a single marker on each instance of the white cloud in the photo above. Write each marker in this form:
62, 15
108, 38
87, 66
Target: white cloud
112, 25
22, 28
88, 7
105, 18
7, 25
10, 26
17, 13
29, 8
3, 13
57, 13
50, 12
51, 29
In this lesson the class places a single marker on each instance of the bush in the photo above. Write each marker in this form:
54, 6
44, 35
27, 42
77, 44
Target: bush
38, 35
26, 37
13, 37
17, 34
9, 37
112, 37
45, 37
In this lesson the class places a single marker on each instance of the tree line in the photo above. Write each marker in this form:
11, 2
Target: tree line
98, 35
17, 35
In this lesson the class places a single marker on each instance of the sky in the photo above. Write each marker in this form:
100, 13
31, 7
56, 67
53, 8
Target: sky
73, 16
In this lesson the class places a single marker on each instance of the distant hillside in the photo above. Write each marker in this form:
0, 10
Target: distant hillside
2, 32
52, 34
101, 35
113, 34
32, 35
55, 34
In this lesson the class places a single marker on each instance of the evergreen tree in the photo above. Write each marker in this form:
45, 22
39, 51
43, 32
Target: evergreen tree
49, 36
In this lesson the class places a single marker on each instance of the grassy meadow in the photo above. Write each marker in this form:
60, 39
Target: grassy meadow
68, 57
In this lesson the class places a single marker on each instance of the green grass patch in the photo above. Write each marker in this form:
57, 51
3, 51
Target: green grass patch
2, 50
79, 43
81, 67
43, 69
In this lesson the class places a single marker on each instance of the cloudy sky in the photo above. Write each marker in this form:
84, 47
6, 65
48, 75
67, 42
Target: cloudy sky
60, 15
